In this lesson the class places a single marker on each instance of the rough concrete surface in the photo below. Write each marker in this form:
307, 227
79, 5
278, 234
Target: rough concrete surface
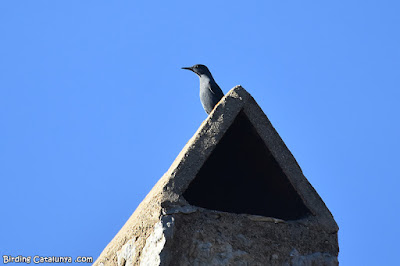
166, 230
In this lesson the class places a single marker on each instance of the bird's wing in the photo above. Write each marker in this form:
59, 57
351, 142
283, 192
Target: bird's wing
216, 90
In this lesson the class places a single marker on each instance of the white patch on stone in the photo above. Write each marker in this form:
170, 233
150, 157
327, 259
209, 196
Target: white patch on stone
153, 252
127, 254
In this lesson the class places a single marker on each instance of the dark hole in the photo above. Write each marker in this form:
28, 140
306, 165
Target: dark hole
241, 176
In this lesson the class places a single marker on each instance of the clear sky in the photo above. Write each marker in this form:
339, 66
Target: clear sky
94, 108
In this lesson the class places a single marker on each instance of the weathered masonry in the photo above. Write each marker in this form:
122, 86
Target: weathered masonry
235, 195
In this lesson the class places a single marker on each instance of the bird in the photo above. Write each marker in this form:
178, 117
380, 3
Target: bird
210, 92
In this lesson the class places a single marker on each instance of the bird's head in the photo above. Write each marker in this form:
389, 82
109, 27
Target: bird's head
199, 70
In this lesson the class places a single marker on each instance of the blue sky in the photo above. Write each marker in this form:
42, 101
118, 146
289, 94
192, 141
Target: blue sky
94, 108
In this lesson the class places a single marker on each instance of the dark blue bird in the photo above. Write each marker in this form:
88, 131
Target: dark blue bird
210, 92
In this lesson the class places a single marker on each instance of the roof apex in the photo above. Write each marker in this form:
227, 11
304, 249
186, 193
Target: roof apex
167, 196
198, 149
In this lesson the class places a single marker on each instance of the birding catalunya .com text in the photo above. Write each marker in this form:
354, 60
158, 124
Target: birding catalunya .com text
43, 259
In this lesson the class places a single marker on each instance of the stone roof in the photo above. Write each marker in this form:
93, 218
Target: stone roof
235, 164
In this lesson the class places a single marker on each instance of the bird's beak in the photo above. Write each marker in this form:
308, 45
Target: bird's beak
188, 68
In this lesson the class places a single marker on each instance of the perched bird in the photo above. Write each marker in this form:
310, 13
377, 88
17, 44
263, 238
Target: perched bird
210, 92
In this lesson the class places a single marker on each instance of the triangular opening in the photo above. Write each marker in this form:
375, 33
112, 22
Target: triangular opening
242, 176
